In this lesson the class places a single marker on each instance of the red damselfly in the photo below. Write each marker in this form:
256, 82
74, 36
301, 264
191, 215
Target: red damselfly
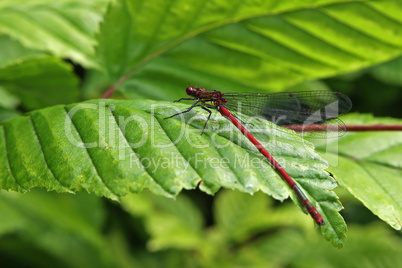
291, 110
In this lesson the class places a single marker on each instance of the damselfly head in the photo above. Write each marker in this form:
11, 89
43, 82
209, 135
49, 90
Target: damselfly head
192, 91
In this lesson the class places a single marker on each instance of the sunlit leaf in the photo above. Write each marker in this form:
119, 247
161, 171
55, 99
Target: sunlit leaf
252, 45
111, 148
369, 165
65, 28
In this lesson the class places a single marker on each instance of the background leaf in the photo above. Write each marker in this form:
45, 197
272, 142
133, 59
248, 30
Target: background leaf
32, 80
64, 28
13, 51
369, 166
28, 78
56, 225
246, 46
388, 72
178, 223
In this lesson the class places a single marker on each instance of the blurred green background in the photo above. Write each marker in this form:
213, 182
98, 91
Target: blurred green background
70, 51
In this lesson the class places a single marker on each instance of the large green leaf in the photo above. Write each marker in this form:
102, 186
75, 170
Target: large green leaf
13, 50
171, 223
247, 45
65, 28
44, 226
54, 224
29, 78
369, 246
33, 81
369, 165
250, 232
389, 72
111, 147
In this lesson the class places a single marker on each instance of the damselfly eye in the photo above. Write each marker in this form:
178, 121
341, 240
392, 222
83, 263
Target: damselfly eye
190, 91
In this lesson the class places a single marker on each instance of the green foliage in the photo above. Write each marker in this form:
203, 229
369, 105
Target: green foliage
55, 55
64, 28
31, 78
248, 231
112, 147
377, 173
260, 46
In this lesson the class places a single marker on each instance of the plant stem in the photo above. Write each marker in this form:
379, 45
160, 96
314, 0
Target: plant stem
356, 128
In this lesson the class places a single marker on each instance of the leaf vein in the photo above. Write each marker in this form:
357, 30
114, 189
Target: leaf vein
43, 154
8, 159
382, 13
301, 54
384, 150
167, 134
156, 30
355, 55
385, 191
87, 152
350, 26
284, 64
195, 17
50, 33
132, 149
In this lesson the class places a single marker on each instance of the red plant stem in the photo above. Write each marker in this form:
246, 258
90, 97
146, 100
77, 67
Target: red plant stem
112, 88
109, 92
316, 127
